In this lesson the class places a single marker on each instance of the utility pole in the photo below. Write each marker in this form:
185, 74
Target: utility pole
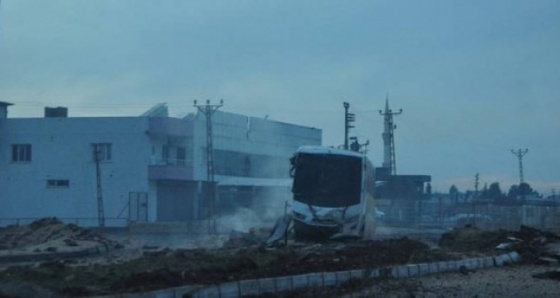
100, 210
389, 160
476, 179
520, 153
348, 118
473, 200
208, 110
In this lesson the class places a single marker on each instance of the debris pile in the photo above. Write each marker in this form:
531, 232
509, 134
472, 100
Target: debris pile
534, 246
255, 236
245, 256
174, 267
471, 238
48, 234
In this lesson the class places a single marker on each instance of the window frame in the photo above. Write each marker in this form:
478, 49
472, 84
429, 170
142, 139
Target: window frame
106, 150
58, 183
22, 153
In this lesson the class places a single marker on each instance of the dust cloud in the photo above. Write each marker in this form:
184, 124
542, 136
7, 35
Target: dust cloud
266, 207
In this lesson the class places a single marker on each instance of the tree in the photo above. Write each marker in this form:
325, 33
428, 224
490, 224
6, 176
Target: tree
494, 192
513, 192
525, 189
521, 190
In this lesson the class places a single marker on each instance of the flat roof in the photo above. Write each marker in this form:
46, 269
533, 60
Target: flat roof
242, 181
312, 149
3, 103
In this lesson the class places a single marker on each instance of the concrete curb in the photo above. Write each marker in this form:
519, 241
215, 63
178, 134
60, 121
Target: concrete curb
323, 279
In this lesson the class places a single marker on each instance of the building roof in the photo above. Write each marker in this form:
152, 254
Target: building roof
243, 181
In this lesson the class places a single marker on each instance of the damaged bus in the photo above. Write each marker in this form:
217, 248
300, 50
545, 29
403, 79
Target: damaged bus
332, 194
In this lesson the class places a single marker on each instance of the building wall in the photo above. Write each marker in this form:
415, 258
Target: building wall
145, 160
61, 149
268, 144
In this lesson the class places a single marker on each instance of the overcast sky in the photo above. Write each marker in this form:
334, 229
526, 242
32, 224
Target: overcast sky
475, 78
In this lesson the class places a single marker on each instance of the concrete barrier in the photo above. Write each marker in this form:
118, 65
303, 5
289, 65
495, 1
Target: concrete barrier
413, 270
322, 279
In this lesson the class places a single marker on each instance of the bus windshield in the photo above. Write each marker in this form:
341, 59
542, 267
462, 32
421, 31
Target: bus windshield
327, 180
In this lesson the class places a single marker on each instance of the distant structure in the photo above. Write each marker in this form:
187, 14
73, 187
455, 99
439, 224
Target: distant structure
520, 153
389, 159
4, 109
400, 197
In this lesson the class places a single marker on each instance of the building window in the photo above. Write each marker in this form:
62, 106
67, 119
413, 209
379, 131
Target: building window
165, 154
102, 151
53, 183
21, 153
174, 156
181, 156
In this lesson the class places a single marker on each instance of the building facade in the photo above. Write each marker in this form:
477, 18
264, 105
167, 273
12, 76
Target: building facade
150, 168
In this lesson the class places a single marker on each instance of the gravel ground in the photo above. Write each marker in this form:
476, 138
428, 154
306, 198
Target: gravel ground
514, 281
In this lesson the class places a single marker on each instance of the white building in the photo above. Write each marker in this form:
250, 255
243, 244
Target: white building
151, 168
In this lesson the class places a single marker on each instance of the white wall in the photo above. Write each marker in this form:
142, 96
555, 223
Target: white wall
250, 135
61, 149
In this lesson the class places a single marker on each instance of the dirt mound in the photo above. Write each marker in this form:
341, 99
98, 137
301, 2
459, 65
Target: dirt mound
532, 244
45, 231
168, 268
471, 238
156, 268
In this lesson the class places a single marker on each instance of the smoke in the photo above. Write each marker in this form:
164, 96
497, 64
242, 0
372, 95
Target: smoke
243, 219
267, 206
272, 203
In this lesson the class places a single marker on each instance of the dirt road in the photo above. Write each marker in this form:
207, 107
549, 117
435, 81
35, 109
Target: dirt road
515, 281
512, 281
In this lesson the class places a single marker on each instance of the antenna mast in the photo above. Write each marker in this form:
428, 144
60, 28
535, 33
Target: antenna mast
520, 153
389, 160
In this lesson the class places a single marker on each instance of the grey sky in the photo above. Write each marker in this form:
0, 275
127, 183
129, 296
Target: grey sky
475, 78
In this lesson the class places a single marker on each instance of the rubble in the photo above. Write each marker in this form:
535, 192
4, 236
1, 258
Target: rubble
555, 274
255, 236
534, 246
166, 267
49, 236
471, 238
244, 256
